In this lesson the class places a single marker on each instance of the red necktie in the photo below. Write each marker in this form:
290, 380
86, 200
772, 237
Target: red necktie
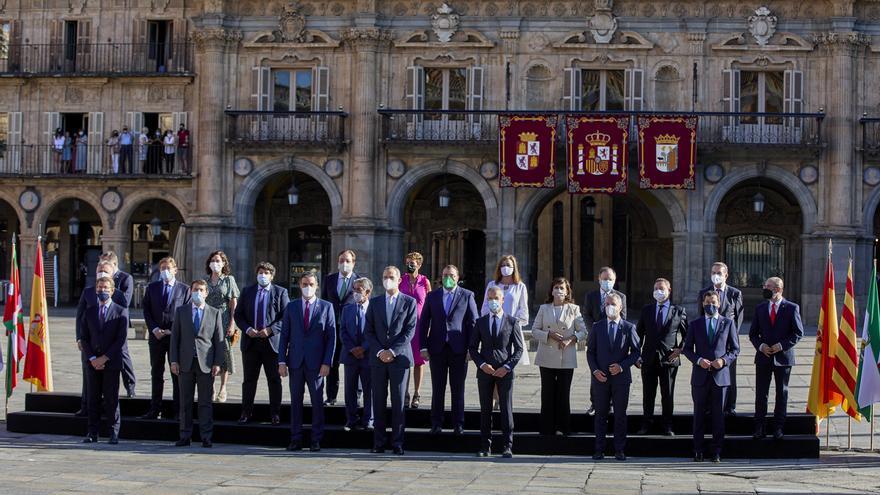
306, 317
772, 313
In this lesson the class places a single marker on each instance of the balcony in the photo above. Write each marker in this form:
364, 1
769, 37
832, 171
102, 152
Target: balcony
98, 59
28, 160
285, 129
870, 136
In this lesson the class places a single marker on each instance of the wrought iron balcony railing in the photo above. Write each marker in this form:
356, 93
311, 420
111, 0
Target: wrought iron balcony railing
29, 160
315, 128
98, 59
870, 136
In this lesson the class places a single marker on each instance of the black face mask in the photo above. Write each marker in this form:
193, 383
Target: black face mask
410, 268
710, 309
767, 293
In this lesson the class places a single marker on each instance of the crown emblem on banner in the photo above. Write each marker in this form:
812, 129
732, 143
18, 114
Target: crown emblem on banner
528, 136
667, 139
598, 139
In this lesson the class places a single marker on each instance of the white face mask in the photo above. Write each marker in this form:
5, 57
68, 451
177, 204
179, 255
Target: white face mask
660, 295
559, 293
308, 291
606, 285
345, 267
494, 306
263, 279
359, 298
102, 275
198, 298
216, 266
611, 311
389, 283
167, 275
506, 271
717, 279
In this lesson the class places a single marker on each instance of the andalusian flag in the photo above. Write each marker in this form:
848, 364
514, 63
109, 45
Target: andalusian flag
37, 361
868, 389
822, 398
13, 320
846, 357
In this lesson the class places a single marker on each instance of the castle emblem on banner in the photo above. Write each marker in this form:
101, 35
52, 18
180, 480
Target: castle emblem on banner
666, 151
528, 149
597, 157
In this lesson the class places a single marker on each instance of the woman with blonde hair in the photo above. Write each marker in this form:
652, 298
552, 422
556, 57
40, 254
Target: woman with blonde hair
417, 286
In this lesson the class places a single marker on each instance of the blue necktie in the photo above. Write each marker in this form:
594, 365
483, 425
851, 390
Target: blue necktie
711, 329
612, 327
261, 309
197, 320
360, 320
448, 304
166, 295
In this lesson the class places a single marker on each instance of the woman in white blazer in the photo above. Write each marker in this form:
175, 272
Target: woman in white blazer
557, 328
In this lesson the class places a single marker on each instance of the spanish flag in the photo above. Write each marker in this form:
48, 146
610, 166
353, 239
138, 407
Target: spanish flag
846, 359
37, 360
823, 398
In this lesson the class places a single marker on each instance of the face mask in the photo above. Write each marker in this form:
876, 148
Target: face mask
410, 267
767, 293
167, 275
611, 311
198, 298
308, 292
389, 284
494, 305
606, 285
102, 275
359, 298
345, 267
660, 295
103, 296
710, 309
506, 271
448, 282
717, 279
559, 293
263, 279
216, 266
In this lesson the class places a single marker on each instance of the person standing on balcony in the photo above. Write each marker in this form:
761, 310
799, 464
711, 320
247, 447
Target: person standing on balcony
58, 147
170, 147
82, 148
183, 148
126, 149
113, 144
154, 152
66, 153
143, 146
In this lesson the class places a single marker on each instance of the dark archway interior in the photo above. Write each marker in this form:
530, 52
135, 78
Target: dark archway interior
76, 255
8, 226
146, 248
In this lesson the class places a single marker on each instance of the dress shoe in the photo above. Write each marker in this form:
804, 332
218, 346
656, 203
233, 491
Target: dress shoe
643, 430
759, 432
483, 453
416, 401
131, 393
458, 430
591, 411
507, 454
347, 428
377, 450
398, 450
114, 439
294, 447
369, 426
731, 413
244, 419
276, 420
668, 432
598, 456
90, 439
151, 414
436, 430
315, 447
183, 442
620, 456
207, 444
716, 458
82, 413
698, 457
330, 402
778, 435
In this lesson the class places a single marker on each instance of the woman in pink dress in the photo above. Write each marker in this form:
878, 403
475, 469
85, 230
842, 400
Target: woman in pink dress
417, 286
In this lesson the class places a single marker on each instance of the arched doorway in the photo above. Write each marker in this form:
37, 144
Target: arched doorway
73, 243
9, 225
156, 230
448, 232
293, 237
759, 226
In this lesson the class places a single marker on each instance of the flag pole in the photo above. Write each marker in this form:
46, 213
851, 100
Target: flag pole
827, 430
848, 432
871, 446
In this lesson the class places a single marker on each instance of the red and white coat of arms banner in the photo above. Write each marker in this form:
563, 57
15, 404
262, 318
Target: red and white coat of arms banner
667, 151
527, 150
597, 153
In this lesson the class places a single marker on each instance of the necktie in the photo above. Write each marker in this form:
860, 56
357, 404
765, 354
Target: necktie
360, 320
197, 320
306, 316
448, 303
773, 313
166, 295
612, 327
261, 309
343, 289
660, 318
711, 329
388, 311
103, 315
495, 327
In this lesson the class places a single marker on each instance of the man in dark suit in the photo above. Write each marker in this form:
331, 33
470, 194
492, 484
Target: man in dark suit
612, 348
594, 308
197, 351
104, 329
446, 323
258, 314
390, 327
496, 347
661, 329
712, 345
161, 300
776, 329
731, 306
355, 356
124, 284
88, 299
308, 339
337, 291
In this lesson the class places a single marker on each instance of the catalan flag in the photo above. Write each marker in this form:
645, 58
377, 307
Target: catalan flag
13, 321
846, 356
822, 398
868, 390
37, 360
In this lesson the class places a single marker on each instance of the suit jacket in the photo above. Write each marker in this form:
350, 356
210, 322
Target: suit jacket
331, 295
731, 304
602, 353
246, 308
206, 342
724, 346
125, 284
788, 331
156, 314
436, 328
352, 336
307, 347
657, 343
570, 323
504, 350
594, 307
398, 336
89, 298
105, 339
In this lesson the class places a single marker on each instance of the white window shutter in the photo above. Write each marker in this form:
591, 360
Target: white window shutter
794, 91
321, 90
415, 87
475, 88
571, 89
255, 87
52, 122
634, 86
265, 88
13, 154
180, 118
96, 143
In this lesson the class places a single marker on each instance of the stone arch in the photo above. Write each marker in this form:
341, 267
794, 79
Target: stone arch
667, 82
12, 199
870, 209
134, 200
52, 199
246, 197
782, 177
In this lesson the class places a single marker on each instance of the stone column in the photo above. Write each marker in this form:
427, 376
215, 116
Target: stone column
117, 242
27, 250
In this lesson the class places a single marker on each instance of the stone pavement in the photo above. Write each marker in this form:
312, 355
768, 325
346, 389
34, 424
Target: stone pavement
67, 378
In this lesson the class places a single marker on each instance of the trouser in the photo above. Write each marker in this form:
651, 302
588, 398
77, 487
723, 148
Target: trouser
169, 162
606, 394
260, 355
354, 374
128, 378
730, 395
486, 385
126, 159
708, 397
780, 375
447, 364
189, 381
653, 375
382, 378
103, 385
555, 400
300, 379
333, 377
159, 354
114, 161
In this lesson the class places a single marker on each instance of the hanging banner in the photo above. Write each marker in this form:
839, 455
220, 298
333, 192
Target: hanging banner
667, 151
597, 153
527, 150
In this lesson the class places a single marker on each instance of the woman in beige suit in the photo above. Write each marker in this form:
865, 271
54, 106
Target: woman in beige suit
558, 327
